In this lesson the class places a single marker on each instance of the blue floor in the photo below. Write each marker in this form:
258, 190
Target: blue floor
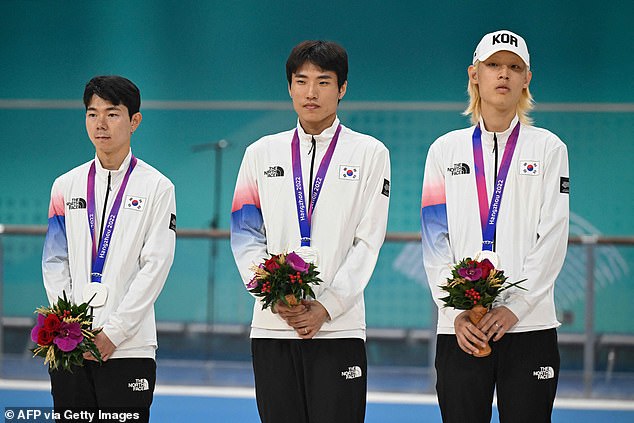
172, 405
176, 408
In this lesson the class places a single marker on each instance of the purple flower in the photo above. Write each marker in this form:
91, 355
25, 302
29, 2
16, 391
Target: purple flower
296, 262
36, 328
69, 336
470, 273
253, 283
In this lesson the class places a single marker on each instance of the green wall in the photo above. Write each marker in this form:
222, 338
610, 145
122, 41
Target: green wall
401, 53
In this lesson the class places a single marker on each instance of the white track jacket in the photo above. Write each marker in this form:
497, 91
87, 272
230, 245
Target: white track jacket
139, 258
348, 223
532, 229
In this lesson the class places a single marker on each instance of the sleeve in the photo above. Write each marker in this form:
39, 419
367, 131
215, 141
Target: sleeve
437, 255
155, 261
248, 235
354, 274
545, 260
55, 264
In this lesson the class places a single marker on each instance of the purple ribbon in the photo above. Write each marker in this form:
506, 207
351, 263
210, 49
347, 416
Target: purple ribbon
305, 214
99, 256
489, 211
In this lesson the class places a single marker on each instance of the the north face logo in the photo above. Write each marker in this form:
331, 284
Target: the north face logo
459, 169
544, 373
274, 171
139, 385
352, 372
76, 203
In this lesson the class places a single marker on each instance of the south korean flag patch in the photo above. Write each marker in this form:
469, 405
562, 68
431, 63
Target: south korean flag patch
529, 167
350, 173
135, 203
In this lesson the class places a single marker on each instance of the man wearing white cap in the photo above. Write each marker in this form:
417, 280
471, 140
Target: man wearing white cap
498, 189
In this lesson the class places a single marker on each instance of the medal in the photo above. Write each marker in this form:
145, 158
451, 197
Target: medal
95, 290
489, 212
305, 207
96, 293
308, 254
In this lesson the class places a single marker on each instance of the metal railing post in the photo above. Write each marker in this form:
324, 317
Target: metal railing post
589, 344
433, 327
1, 299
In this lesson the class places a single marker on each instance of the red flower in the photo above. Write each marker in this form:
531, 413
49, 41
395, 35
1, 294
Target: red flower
486, 266
45, 337
52, 323
272, 264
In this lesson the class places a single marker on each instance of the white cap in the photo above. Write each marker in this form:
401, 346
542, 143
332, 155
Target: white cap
499, 41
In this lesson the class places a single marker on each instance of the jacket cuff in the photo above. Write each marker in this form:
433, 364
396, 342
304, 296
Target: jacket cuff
115, 335
331, 303
518, 305
450, 313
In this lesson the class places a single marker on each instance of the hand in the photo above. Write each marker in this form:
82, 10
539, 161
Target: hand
104, 345
307, 324
286, 312
470, 338
497, 322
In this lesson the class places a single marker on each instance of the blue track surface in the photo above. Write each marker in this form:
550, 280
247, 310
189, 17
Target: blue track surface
177, 408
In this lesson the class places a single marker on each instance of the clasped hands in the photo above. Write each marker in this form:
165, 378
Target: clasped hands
494, 325
306, 318
104, 345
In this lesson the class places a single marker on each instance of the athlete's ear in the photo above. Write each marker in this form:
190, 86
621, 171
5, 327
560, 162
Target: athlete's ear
529, 76
135, 121
342, 90
473, 74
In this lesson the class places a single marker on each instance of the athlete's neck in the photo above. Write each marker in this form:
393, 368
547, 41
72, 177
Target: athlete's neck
316, 128
112, 161
495, 121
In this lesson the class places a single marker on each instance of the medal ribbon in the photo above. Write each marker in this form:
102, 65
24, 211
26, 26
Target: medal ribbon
489, 212
305, 215
99, 256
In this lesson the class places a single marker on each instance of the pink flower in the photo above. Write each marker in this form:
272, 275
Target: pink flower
253, 283
69, 336
36, 328
470, 273
296, 262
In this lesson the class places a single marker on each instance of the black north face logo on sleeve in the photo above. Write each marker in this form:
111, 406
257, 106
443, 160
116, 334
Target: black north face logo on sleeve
564, 185
386, 188
173, 222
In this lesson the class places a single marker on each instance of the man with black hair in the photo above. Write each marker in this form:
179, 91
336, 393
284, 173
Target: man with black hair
309, 360
111, 237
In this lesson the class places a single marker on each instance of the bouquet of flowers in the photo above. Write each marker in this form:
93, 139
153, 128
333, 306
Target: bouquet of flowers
475, 283
63, 333
474, 286
283, 277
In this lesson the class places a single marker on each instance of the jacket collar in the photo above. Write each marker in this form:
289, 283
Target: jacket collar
502, 137
324, 137
102, 172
